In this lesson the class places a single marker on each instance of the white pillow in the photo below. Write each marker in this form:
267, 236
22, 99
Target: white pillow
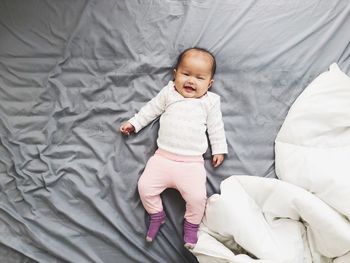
312, 148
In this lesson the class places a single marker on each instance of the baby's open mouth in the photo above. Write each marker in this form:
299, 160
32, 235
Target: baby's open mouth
189, 88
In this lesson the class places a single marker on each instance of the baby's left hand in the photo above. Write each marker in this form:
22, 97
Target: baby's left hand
217, 159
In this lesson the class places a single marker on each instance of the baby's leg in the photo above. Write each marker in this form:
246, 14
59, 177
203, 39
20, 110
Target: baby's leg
151, 184
191, 185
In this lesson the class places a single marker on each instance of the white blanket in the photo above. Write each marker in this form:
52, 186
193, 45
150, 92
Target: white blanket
304, 217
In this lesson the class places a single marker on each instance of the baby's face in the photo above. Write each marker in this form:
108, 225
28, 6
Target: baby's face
193, 76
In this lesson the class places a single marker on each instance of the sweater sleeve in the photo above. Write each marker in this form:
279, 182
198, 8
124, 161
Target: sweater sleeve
154, 108
215, 128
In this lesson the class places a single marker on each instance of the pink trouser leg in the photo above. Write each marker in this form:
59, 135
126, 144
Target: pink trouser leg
191, 185
151, 184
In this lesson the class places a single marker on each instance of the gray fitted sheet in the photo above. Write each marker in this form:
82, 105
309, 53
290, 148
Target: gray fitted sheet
72, 71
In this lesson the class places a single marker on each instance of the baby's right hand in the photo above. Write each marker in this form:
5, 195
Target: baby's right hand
127, 128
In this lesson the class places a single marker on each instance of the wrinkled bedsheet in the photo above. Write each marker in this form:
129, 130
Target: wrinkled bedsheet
72, 71
305, 216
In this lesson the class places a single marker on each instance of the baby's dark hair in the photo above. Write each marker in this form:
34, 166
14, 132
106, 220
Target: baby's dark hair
182, 54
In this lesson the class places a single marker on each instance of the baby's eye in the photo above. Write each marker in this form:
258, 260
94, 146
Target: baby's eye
185, 73
201, 78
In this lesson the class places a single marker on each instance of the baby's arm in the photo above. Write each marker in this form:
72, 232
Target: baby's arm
147, 113
216, 133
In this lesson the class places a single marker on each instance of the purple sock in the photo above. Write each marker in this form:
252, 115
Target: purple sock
156, 220
190, 234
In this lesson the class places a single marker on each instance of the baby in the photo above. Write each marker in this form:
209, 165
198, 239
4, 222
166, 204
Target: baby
187, 112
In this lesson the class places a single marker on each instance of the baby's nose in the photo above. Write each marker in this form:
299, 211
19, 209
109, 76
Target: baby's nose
190, 79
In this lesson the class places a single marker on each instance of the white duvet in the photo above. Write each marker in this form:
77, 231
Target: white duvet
304, 217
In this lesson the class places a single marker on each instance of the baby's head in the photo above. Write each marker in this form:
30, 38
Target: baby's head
194, 72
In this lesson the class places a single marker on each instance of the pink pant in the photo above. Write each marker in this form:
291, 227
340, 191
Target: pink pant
184, 173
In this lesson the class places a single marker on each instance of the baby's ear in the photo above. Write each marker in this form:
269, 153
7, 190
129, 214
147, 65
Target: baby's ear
211, 83
174, 73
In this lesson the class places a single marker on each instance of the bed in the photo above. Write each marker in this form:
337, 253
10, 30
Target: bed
72, 71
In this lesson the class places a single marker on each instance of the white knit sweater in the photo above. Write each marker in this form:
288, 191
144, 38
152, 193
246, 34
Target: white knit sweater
184, 122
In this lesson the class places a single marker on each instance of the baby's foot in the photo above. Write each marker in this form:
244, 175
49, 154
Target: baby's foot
189, 245
190, 234
156, 220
